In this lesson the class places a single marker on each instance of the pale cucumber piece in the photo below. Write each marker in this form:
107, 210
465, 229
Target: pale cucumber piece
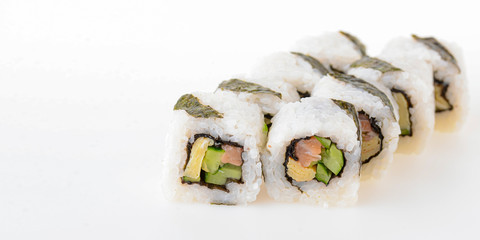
212, 159
217, 178
333, 159
404, 121
371, 147
231, 171
323, 174
194, 165
441, 104
224, 172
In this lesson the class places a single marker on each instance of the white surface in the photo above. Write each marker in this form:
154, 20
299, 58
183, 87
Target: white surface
87, 88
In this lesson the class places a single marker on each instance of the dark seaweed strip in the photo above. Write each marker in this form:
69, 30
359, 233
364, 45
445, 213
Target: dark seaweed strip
350, 110
314, 62
237, 85
217, 142
374, 63
364, 85
224, 204
212, 186
290, 151
360, 46
267, 118
192, 106
336, 70
436, 46
303, 94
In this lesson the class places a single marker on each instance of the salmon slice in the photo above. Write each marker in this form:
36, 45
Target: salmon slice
308, 151
367, 131
232, 155
364, 123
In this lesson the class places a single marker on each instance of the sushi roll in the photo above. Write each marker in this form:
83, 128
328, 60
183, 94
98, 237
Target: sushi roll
336, 50
290, 68
213, 150
269, 95
377, 116
313, 153
448, 80
408, 80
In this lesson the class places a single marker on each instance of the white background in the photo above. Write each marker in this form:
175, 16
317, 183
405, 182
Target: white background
87, 89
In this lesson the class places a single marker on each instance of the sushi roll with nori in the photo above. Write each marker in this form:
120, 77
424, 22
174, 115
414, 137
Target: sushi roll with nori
448, 80
376, 113
296, 69
269, 95
213, 150
408, 80
314, 153
336, 50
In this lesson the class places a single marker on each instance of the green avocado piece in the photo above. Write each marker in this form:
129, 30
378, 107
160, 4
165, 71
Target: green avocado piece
212, 159
231, 171
187, 179
217, 178
325, 142
333, 159
265, 128
405, 132
323, 174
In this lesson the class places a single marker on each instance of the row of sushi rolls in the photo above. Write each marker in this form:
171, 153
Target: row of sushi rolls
313, 123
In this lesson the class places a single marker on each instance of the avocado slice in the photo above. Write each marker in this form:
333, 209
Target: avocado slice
333, 159
265, 128
323, 174
212, 159
404, 121
325, 142
187, 179
231, 171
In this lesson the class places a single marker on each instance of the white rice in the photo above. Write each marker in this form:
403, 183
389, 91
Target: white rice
320, 117
332, 49
375, 108
456, 92
284, 67
414, 81
242, 123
